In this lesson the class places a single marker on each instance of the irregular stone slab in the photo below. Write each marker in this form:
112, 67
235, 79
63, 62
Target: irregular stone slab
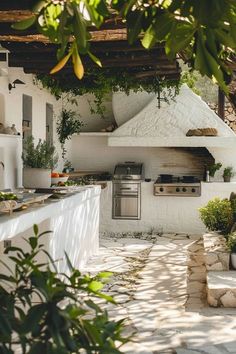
217, 267
231, 346
221, 286
201, 276
186, 351
228, 299
195, 286
216, 252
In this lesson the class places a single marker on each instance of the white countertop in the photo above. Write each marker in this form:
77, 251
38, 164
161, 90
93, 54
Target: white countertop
11, 225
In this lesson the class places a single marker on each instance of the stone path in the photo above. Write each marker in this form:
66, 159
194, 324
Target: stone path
159, 286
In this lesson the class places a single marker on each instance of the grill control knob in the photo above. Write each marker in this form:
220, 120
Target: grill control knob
184, 189
177, 189
161, 189
193, 190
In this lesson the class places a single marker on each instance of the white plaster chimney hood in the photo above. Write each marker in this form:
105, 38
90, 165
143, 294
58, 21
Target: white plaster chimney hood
168, 125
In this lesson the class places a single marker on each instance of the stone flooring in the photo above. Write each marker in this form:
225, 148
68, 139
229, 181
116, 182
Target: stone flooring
159, 286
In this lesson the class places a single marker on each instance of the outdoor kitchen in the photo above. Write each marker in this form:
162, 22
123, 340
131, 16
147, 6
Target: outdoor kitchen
159, 174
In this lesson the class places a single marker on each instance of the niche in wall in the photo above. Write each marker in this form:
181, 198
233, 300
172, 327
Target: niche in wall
49, 122
27, 116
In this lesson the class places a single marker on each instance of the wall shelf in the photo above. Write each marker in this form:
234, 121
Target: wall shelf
94, 134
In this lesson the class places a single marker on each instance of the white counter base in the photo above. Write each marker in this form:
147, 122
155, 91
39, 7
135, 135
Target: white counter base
74, 222
164, 213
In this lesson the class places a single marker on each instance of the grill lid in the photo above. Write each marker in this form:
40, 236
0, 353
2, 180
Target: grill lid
128, 170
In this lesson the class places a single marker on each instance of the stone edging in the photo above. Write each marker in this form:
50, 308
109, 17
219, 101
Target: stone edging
217, 254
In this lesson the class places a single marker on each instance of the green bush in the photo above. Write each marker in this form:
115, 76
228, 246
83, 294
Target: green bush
42, 311
233, 206
217, 215
231, 242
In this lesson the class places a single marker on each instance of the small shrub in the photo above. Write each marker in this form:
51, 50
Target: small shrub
217, 215
233, 206
231, 242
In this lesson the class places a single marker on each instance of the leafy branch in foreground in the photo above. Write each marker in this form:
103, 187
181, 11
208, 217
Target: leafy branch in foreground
202, 32
43, 311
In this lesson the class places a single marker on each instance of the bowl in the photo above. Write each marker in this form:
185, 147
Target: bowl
55, 180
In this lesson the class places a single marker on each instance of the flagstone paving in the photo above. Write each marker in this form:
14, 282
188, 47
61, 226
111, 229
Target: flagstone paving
159, 285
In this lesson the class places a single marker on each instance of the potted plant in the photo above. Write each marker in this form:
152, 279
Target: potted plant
213, 168
232, 247
38, 161
228, 173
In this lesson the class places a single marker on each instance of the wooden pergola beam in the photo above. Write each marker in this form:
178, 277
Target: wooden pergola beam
14, 15
103, 35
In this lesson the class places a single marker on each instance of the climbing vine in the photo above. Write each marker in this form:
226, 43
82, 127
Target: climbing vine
101, 82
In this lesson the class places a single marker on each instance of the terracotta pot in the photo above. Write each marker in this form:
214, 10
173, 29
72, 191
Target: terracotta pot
36, 177
226, 178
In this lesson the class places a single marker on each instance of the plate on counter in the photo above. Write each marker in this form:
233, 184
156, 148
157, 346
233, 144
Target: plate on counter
11, 205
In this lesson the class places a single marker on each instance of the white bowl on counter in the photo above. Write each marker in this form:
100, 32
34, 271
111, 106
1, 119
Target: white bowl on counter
55, 180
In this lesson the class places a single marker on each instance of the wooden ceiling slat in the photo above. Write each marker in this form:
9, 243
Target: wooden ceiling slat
106, 63
106, 35
108, 46
14, 15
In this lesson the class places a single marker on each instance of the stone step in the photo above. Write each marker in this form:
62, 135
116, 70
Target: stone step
221, 288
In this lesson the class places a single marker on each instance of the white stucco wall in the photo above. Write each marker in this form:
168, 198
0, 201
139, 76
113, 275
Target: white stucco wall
173, 119
93, 153
163, 213
92, 122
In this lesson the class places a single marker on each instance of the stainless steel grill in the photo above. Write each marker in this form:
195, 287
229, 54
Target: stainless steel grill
127, 191
179, 189
185, 186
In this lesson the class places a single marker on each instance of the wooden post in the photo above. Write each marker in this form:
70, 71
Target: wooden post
221, 104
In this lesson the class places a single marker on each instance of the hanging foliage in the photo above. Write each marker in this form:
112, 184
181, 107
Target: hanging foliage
67, 125
102, 82
201, 31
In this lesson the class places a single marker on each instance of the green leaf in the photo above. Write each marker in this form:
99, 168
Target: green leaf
97, 10
225, 38
71, 268
93, 306
33, 317
149, 38
179, 38
95, 59
163, 25
95, 286
134, 21
24, 24
36, 229
33, 242
106, 275
80, 30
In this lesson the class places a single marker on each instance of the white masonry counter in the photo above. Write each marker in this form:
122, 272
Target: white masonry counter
164, 213
74, 222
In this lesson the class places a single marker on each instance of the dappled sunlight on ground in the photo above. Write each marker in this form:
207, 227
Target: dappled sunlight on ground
159, 286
